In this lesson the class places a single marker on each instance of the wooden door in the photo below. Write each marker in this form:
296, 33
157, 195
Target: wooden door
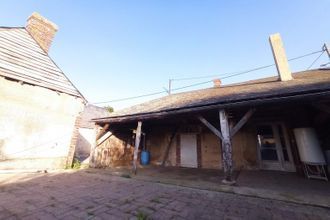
188, 150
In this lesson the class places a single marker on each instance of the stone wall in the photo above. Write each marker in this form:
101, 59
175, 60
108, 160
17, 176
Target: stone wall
244, 149
36, 126
117, 150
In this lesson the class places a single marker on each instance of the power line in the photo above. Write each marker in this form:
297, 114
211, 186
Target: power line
232, 74
315, 60
132, 97
242, 72
199, 77
306, 55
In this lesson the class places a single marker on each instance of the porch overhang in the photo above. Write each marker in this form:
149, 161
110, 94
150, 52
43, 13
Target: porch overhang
299, 97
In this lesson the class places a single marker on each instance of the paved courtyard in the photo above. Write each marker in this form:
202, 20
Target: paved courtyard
89, 194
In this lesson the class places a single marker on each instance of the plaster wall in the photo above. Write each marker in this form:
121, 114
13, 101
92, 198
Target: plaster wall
36, 126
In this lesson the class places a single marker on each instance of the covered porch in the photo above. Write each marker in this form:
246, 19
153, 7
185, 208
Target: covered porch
259, 137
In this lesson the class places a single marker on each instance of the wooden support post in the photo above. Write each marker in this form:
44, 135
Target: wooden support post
137, 143
226, 148
242, 122
281, 61
169, 146
211, 127
225, 135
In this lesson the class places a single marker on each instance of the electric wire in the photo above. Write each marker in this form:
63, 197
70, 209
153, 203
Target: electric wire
232, 74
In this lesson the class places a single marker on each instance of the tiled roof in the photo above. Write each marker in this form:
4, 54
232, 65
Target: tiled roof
22, 59
307, 82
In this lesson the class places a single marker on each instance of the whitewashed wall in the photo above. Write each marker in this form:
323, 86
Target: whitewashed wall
36, 126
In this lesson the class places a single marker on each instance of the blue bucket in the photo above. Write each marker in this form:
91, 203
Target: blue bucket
145, 157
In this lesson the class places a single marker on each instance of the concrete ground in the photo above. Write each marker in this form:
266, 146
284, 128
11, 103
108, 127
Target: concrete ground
98, 194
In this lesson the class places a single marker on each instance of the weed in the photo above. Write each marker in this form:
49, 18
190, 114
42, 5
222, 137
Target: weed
76, 164
141, 216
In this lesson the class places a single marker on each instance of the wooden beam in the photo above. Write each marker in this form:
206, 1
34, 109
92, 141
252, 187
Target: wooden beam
226, 148
323, 107
242, 122
211, 127
137, 143
103, 130
169, 146
103, 138
281, 61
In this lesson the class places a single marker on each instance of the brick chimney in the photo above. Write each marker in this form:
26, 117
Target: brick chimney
42, 30
216, 83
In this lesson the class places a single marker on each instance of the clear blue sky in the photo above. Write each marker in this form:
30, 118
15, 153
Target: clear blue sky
116, 49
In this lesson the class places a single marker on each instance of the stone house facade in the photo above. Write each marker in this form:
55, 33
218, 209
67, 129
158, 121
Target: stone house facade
39, 106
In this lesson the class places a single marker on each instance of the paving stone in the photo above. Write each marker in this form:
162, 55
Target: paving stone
83, 195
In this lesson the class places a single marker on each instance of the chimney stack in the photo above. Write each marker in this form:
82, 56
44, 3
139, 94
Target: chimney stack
281, 61
42, 30
216, 83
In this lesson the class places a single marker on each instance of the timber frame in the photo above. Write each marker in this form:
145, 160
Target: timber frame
225, 134
225, 111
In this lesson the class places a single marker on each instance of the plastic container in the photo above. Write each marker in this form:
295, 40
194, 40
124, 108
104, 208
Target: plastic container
145, 157
309, 146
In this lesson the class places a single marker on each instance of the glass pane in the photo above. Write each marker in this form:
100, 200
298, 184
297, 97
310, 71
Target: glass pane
285, 155
267, 144
282, 139
268, 154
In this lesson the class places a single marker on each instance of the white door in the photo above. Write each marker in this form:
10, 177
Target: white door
188, 150
274, 147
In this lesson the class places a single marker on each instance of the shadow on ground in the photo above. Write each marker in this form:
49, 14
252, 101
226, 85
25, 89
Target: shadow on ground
113, 194
276, 185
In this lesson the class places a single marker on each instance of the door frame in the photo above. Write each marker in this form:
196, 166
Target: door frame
280, 164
